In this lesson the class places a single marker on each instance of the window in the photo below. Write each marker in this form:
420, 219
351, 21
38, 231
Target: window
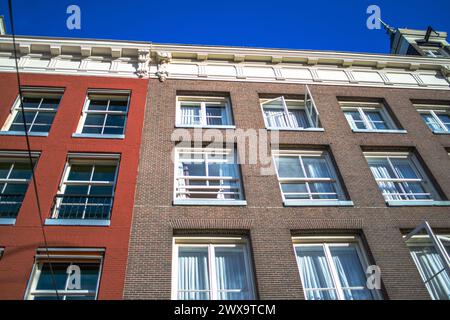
371, 117
212, 269
210, 175
434, 52
436, 117
333, 268
401, 178
284, 113
40, 108
199, 111
104, 114
15, 175
87, 189
307, 177
55, 279
430, 253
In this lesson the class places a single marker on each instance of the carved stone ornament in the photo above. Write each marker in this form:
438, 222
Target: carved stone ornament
163, 58
143, 63
445, 70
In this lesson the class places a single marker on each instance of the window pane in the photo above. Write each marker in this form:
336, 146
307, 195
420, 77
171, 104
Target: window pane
95, 119
115, 121
80, 172
299, 190
355, 120
47, 281
31, 102
431, 122
275, 117
445, 118
21, 170
216, 116
76, 190
315, 272
50, 103
4, 169
380, 168
289, 167
194, 169
316, 167
404, 169
104, 173
323, 187
89, 275
298, 118
376, 119
44, 118
118, 105
193, 280
98, 105
15, 188
40, 128
92, 130
190, 114
350, 271
231, 274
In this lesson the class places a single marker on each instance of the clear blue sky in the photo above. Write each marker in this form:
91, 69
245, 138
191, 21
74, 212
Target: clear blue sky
314, 24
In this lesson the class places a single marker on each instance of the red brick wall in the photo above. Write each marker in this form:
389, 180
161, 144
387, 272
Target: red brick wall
269, 224
21, 240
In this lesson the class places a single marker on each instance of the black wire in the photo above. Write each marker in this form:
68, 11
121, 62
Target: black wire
30, 157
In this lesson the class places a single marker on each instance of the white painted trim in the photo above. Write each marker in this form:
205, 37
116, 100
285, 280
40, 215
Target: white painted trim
317, 203
77, 222
198, 202
7, 221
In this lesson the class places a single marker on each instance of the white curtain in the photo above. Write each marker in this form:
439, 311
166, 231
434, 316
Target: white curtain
216, 116
381, 170
318, 168
351, 273
276, 118
430, 263
193, 273
231, 275
315, 273
190, 115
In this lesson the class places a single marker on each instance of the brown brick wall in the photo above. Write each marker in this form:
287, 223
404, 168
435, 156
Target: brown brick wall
269, 224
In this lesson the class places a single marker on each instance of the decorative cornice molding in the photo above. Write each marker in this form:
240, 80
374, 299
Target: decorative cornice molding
163, 58
143, 63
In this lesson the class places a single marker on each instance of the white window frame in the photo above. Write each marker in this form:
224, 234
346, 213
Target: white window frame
312, 114
434, 110
414, 238
88, 159
211, 243
104, 94
11, 156
340, 194
35, 92
204, 152
68, 255
325, 242
361, 107
430, 52
423, 179
202, 101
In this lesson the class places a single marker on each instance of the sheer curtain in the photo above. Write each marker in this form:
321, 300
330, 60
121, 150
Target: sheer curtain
351, 273
231, 275
315, 273
193, 280
190, 115
276, 118
216, 116
430, 264
318, 168
381, 170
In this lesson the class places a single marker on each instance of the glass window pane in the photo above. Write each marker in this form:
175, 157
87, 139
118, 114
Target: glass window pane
15, 188
348, 266
47, 281
299, 190
4, 169
316, 167
376, 119
113, 130
194, 169
404, 169
355, 120
445, 119
98, 105
44, 118
275, 117
89, 275
190, 114
118, 105
431, 122
50, 103
299, 119
289, 167
95, 119
40, 128
323, 187
80, 172
215, 116
193, 279
380, 168
21, 170
92, 130
231, 274
31, 102
315, 272
104, 173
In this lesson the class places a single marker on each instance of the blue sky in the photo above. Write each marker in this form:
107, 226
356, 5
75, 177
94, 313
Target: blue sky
318, 25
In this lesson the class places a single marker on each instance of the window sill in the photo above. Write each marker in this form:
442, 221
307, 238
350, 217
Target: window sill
442, 132
7, 221
317, 203
98, 136
380, 131
77, 222
417, 203
191, 202
297, 129
204, 127
21, 133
